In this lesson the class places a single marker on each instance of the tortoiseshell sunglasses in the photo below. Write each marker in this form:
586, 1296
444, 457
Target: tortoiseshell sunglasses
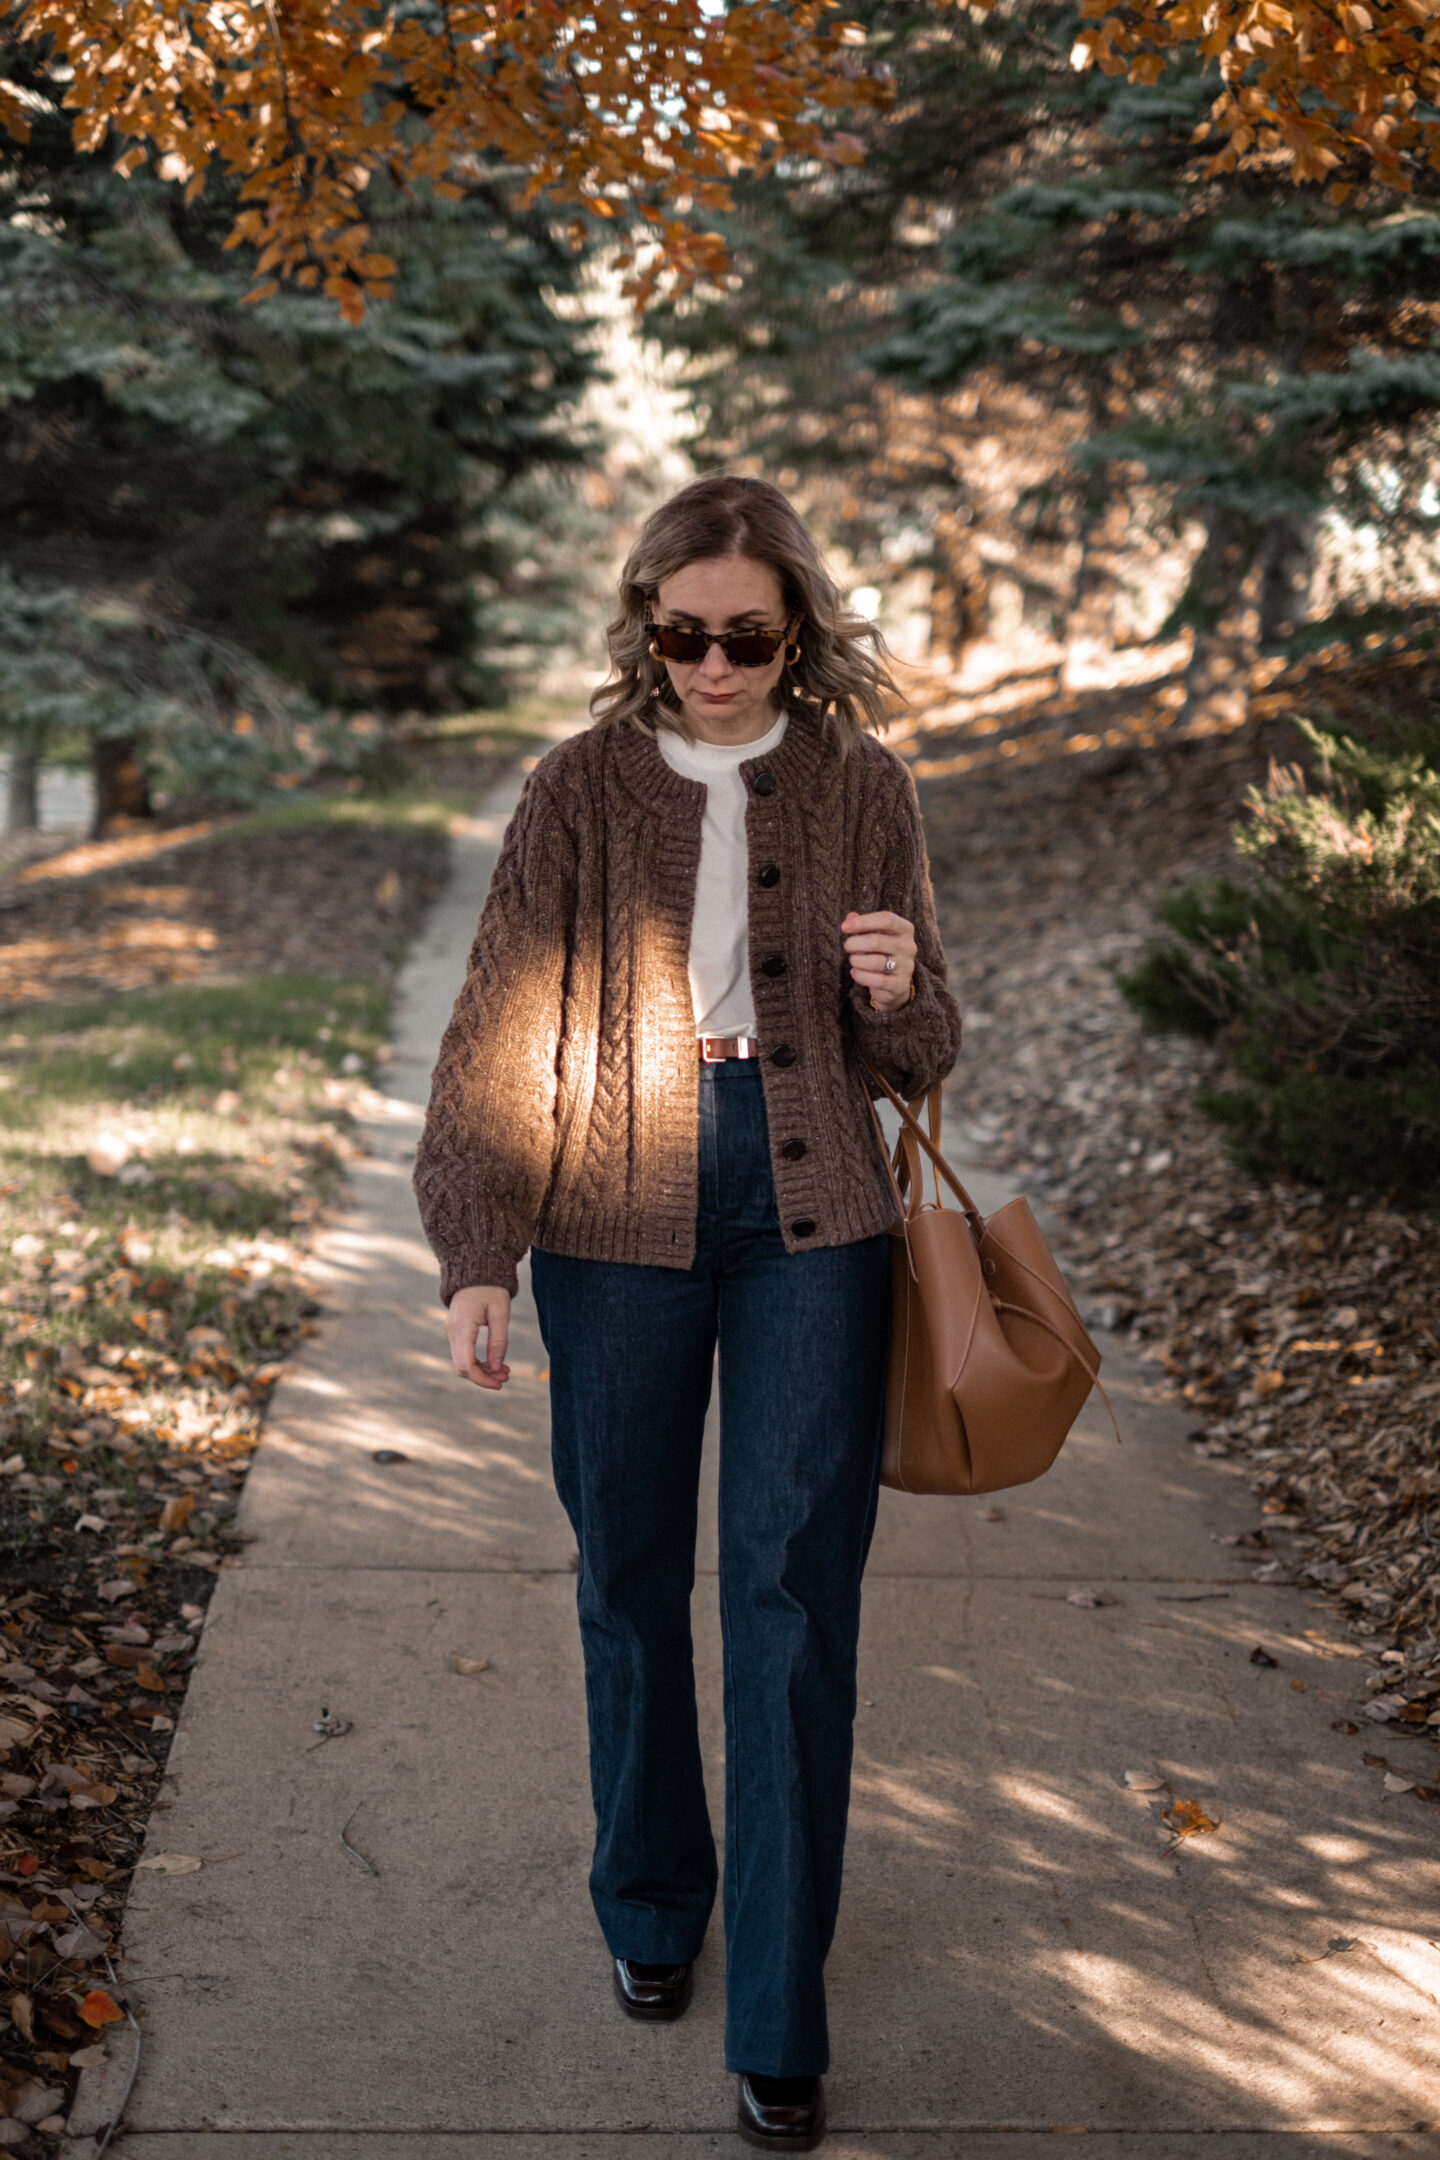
742, 648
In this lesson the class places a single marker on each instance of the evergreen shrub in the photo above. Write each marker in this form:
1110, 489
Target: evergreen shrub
1319, 973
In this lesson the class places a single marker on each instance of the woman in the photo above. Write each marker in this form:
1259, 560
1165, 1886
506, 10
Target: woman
723, 859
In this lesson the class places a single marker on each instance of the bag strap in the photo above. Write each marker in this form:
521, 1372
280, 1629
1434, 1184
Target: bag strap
898, 1171
901, 1211
1002, 1305
910, 1124
907, 1153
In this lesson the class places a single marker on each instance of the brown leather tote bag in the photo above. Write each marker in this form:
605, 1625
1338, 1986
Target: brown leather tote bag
990, 1363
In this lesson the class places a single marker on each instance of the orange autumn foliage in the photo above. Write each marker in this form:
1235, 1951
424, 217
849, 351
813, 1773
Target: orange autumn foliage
100, 2008
1332, 88
637, 110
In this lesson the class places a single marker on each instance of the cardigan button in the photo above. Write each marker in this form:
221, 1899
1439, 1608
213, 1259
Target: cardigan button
764, 783
767, 875
792, 1150
782, 1055
803, 1228
773, 964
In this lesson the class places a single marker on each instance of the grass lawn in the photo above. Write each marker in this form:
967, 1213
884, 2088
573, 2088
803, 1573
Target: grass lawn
165, 1150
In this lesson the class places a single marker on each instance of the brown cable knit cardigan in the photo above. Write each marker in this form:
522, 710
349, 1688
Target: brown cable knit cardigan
564, 1105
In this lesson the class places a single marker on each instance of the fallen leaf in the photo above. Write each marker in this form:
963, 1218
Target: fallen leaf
38, 2103
1187, 1818
1269, 1381
130, 1654
1398, 1784
79, 1941
1336, 1943
992, 1514
176, 1512
170, 1863
1145, 1781
1091, 1597
89, 2058
99, 2009
469, 1664
1343, 1724
1262, 1657
107, 1153
22, 2010
1301, 1687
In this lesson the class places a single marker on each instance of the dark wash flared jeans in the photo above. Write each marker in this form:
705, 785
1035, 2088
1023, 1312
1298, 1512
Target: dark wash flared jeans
803, 1340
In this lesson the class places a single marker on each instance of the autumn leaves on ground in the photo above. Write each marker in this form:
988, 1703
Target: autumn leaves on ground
1300, 1329
190, 1019
1124, 432
170, 1145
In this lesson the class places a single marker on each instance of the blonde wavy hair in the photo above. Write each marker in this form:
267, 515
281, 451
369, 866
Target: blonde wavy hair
841, 671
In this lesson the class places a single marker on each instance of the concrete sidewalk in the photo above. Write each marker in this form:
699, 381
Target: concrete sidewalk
1020, 1952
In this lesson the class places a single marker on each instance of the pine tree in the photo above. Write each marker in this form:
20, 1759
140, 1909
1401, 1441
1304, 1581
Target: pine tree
1320, 976
333, 499
1255, 355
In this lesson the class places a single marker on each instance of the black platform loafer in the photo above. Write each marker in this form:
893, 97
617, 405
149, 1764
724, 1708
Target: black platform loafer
652, 1992
782, 2114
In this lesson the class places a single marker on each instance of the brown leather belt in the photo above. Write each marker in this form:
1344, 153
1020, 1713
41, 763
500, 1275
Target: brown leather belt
715, 1047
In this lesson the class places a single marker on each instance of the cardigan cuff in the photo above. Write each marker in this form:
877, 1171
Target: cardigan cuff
474, 1266
915, 1045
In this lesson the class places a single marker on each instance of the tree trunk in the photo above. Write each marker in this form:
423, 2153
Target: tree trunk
1089, 629
1217, 681
23, 809
960, 594
1285, 571
122, 791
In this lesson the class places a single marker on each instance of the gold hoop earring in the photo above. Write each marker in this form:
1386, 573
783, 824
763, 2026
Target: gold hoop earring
654, 650
792, 654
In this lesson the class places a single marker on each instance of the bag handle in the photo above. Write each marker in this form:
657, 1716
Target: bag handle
910, 1124
901, 1211
907, 1154
911, 1132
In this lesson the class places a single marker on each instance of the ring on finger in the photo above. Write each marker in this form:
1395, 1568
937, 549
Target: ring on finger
890, 964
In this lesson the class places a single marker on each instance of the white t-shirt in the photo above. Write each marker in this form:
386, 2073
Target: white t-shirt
720, 934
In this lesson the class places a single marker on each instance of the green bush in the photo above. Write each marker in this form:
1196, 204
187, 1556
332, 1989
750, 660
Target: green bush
1320, 974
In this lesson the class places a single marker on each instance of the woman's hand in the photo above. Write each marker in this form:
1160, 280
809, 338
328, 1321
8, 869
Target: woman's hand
871, 940
479, 1305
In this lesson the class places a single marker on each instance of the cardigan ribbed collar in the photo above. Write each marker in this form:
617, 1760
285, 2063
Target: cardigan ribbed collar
796, 763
